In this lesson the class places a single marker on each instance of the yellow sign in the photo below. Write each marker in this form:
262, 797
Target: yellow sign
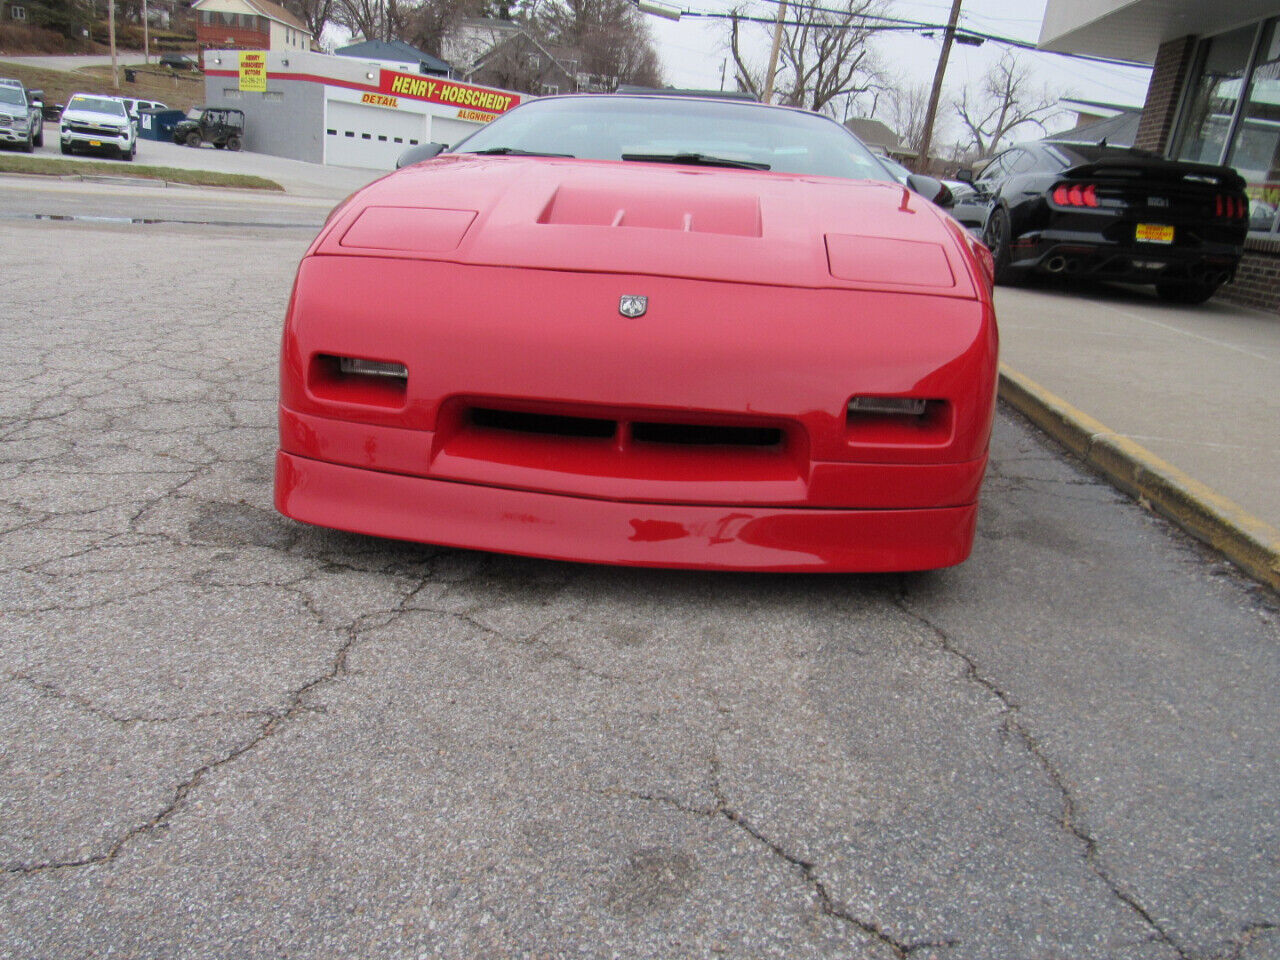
480, 99
476, 115
253, 71
1154, 233
380, 100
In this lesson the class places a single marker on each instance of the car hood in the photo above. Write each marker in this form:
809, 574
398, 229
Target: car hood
705, 223
93, 116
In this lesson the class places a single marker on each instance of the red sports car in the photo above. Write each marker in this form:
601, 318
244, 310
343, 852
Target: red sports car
645, 330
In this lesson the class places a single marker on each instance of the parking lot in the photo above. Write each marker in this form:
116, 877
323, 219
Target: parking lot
226, 734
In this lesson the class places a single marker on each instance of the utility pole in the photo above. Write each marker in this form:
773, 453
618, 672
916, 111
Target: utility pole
146, 35
111, 33
767, 97
926, 141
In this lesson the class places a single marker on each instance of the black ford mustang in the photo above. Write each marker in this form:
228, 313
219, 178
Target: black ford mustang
1109, 213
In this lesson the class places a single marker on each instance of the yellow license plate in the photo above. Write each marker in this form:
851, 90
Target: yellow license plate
1155, 233
98, 143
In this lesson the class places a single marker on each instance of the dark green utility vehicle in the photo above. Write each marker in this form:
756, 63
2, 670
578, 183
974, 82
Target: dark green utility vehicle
220, 126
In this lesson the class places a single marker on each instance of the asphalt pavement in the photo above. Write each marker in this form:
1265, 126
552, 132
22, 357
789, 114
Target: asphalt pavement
226, 734
298, 178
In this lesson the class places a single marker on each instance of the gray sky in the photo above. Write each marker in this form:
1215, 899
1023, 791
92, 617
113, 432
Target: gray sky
692, 50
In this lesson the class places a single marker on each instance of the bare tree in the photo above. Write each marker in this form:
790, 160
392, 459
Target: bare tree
432, 20
612, 37
825, 56
908, 103
375, 19
1003, 102
316, 14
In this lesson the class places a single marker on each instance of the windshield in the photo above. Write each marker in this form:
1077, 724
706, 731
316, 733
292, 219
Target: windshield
97, 105
605, 127
195, 113
12, 95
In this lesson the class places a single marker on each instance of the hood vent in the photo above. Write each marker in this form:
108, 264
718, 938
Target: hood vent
728, 214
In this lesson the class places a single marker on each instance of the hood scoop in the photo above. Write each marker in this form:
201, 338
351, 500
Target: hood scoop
728, 214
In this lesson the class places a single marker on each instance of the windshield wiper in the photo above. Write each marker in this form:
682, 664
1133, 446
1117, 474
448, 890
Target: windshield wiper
694, 159
514, 152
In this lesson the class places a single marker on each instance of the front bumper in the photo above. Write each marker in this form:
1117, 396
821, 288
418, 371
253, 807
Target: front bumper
709, 537
12, 135
97, 141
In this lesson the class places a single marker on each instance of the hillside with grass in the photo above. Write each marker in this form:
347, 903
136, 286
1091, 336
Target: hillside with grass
179, 90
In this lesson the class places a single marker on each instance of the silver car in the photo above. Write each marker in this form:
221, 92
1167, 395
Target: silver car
21, 115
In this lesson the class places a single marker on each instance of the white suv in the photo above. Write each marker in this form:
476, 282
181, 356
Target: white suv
92, 122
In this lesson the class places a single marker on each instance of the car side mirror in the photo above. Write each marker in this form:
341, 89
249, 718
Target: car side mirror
964, 175
424, 151
37, 96
935, 191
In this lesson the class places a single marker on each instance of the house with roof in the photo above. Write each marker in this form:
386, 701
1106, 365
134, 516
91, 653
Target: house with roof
396, 55
505, 54
878, 137
522, 62
471, 38
249, 25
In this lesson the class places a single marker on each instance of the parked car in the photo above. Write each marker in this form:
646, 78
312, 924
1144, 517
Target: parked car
133, 106
217, 125
98, 124
645, 330
1097, 211
21, 115
179, 61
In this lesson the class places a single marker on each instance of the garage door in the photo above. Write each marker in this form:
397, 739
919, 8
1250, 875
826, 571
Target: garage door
358, 135
449, 131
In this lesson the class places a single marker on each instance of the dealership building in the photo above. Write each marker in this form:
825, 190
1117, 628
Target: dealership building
344, 110
1214, 97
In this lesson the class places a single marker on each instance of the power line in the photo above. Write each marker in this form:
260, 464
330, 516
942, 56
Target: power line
897, 24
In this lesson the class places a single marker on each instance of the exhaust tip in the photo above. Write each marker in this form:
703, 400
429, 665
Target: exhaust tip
1056, 264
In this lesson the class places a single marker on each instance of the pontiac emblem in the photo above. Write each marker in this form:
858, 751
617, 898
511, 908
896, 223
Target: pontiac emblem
633, 306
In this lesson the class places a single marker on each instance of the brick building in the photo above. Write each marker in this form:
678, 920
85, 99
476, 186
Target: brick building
1214, 97
249, 25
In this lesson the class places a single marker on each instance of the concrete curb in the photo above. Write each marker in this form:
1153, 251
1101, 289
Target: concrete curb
1249, 542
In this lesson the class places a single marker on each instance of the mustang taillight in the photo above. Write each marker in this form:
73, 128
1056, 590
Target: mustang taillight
1076, 195
1230, 206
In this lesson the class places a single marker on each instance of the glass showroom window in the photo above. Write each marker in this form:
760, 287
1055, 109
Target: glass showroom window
1255, 149
1231, 113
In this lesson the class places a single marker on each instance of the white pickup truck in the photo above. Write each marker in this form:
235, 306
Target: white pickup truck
92, 122
21, 115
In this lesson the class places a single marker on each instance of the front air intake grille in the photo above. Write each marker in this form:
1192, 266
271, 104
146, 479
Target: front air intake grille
639, 432
702, 434
543, 423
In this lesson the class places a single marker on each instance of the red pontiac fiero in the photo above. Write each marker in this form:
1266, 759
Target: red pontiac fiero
645, 330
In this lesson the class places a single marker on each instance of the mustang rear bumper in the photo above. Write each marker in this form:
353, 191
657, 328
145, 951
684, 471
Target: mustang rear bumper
561, 527
1092, 254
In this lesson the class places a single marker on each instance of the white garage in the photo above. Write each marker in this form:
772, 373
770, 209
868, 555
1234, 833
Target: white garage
448, 131
359, 135
343, 110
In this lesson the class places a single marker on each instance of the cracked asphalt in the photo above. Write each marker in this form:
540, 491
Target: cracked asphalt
224, 734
